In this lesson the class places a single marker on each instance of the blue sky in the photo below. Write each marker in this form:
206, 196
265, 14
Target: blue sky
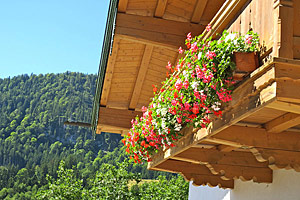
53, 36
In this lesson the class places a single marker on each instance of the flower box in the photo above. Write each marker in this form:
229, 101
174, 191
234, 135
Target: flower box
246, 62
194, 93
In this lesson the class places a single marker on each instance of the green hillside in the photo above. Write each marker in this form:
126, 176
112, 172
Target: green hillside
33, 139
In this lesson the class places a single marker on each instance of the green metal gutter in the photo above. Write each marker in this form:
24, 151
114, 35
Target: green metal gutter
106, 50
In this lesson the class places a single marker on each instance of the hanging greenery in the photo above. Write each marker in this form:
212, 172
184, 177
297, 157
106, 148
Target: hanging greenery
199, 84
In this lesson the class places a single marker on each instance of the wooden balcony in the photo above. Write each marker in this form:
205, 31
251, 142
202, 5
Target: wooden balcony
259, 130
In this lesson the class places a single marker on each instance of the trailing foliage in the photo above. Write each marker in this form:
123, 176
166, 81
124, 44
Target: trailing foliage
201, 82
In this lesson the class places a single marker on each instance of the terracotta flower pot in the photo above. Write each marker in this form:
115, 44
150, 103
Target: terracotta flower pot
245, 63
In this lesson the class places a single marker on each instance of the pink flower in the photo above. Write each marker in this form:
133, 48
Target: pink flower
173, 102
210, 54
196, 108
180, 50
187, 106
178, 84
189, 36
248, 39
179, 120
208, 28
169, 66
186, 84
194, 47
144, 109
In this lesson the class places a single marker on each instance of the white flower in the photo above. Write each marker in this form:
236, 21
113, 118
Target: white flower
230, 36
153, 122
163, 123
174, 121
185, 74
177, 127
194, 85
164, 111
216, 108
199, 55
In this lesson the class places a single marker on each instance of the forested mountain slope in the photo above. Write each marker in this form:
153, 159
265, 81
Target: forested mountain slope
33, 139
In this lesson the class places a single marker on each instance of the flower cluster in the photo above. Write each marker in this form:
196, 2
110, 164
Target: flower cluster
192, 95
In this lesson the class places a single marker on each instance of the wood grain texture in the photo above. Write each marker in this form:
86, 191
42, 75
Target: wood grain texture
109, 73
141, 76
122, 5
160, 8
198, 11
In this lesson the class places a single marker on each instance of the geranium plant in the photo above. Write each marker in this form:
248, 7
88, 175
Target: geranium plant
192, 95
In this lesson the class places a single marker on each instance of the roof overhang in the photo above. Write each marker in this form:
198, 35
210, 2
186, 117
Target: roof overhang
140, 39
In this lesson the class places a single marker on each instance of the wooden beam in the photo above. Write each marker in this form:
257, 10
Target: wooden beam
200, 174
286, 90
198, 11
278, 159
249, 137
160, 8
116, 119
122, 5
245, 173
141, 76
283, 122
109, 73
154, 31
225, 148
283, 29
213, 156
285, 106
225, 15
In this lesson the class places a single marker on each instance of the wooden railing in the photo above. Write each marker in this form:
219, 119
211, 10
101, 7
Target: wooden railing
276, 21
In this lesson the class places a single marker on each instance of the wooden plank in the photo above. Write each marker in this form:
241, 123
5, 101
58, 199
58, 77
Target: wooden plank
283, 122
198, 11
287, 90
285, 106
160, 8
248, 137
214, 156
122, 5
155, 31
283, 29
153, 24
116, 118
109, 73
226, 148
141, 77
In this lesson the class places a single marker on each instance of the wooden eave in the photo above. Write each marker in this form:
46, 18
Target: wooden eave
147, 35
258, 132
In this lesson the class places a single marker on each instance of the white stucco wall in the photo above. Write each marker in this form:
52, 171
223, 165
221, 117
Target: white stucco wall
285, 186
208, 193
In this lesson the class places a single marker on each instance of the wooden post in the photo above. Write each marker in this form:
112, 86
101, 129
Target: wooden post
283, 28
